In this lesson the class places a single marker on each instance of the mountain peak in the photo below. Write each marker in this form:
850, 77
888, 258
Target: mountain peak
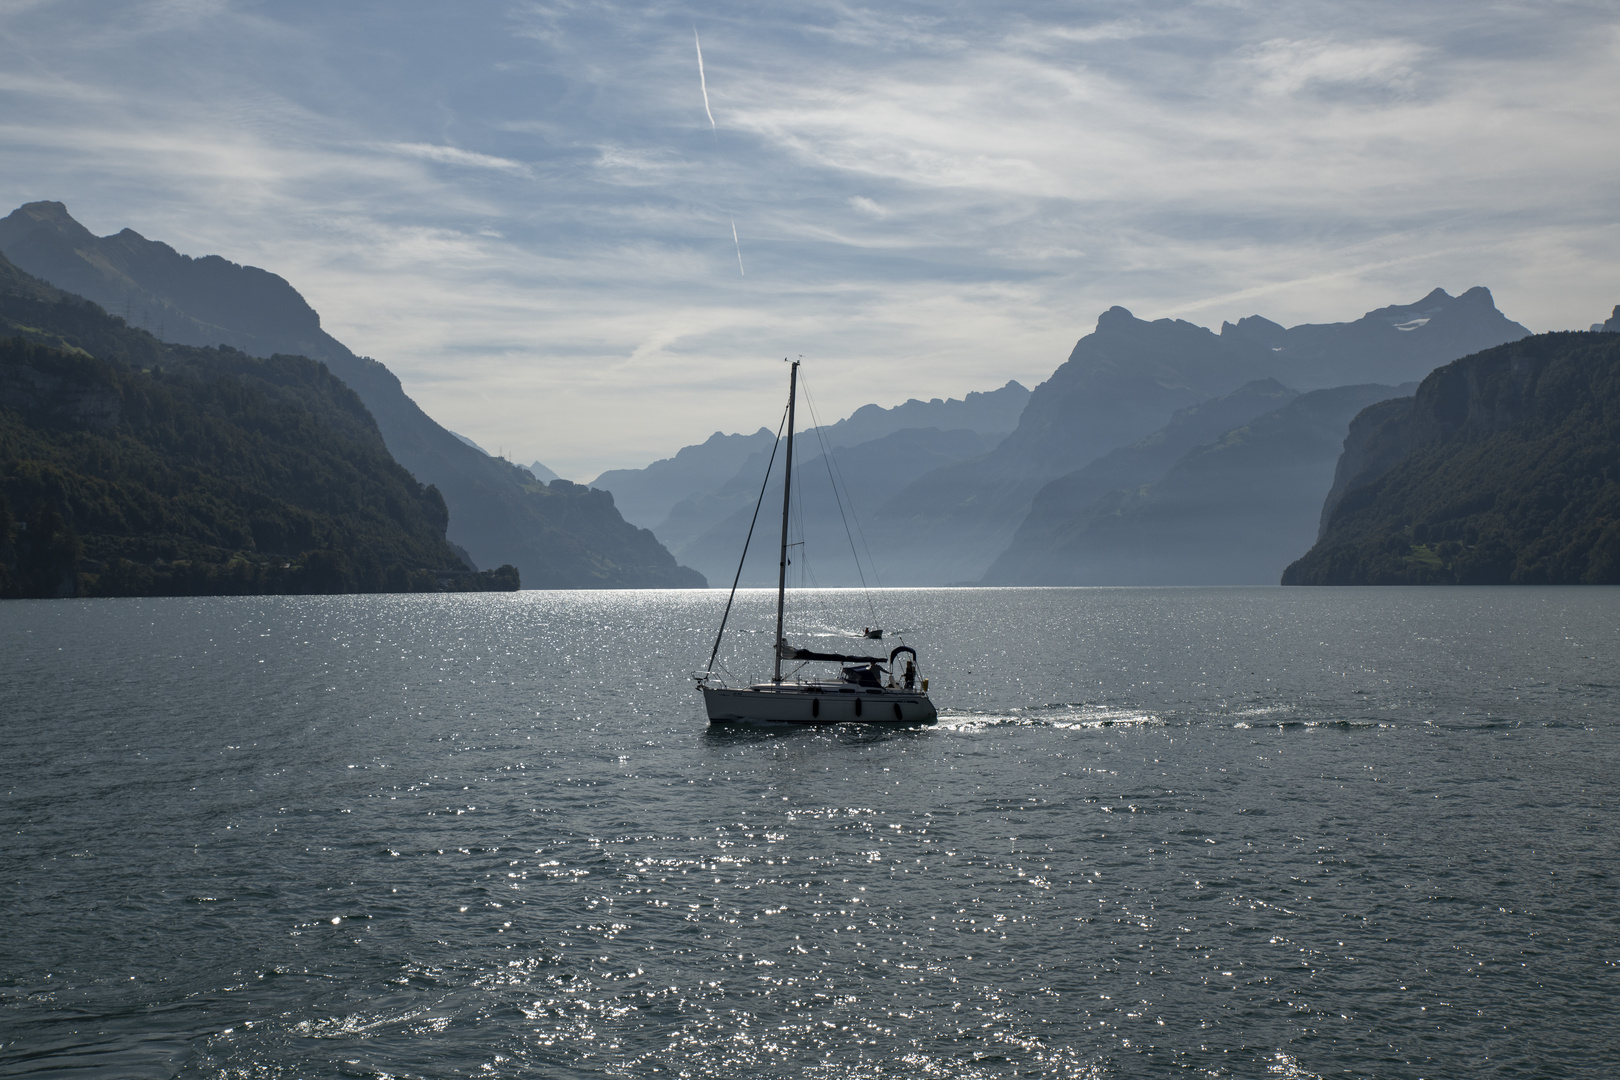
1115, 318
45, 214
202, 301
1257, 327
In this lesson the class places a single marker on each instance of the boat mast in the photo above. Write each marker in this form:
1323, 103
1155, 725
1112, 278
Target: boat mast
787, 493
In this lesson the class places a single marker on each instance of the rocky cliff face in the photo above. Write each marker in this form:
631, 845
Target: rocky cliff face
1503, 468
557, 538
1375, 443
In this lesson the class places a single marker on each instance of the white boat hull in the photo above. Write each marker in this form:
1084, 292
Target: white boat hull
801, 703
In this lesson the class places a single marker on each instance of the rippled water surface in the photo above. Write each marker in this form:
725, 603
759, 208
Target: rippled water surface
1240, 833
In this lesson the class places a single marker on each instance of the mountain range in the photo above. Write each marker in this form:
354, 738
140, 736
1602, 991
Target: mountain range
1159, 452
1100, 460
706, 494
1127, 379
558, 535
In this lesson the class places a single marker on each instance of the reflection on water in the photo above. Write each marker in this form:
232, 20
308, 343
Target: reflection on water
1245, 832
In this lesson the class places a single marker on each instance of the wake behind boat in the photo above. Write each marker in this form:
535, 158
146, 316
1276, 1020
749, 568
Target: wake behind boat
867, 690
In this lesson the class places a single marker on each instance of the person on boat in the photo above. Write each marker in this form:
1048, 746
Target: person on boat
911, 674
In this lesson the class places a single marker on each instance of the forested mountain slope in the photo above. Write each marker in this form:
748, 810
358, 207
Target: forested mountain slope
1503, 468
132, 467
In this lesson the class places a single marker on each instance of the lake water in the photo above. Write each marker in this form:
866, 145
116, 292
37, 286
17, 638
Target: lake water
1231, 832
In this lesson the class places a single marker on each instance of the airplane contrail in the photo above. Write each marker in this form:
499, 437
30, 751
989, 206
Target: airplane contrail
704, 83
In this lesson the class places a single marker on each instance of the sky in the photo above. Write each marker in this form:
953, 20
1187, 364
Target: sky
527, 213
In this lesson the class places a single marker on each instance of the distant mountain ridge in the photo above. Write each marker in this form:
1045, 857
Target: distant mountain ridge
650, 496
708, 531
1233, 511
875, 451
1038, 553
559, 536
646, 496
988, 412
1393, 344
1132, 400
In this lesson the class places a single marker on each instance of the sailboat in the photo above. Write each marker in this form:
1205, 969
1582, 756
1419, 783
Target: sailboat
865, 690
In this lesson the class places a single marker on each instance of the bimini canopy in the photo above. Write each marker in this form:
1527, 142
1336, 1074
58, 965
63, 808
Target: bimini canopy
788, 652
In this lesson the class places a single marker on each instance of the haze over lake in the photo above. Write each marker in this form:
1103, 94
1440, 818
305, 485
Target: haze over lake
1247, 832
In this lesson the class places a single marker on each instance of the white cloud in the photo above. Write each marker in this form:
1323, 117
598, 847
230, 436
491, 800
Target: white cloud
1287, 67
524, 213
450, 155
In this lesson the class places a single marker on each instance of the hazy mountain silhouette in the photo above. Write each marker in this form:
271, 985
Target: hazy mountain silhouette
646, 496
1038, 553
1126, 380
1503, 468
885, 451
988, 412
541, 473
687, 481
1610, 325
559, 536
1395, 344
1234, 511
708, 531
